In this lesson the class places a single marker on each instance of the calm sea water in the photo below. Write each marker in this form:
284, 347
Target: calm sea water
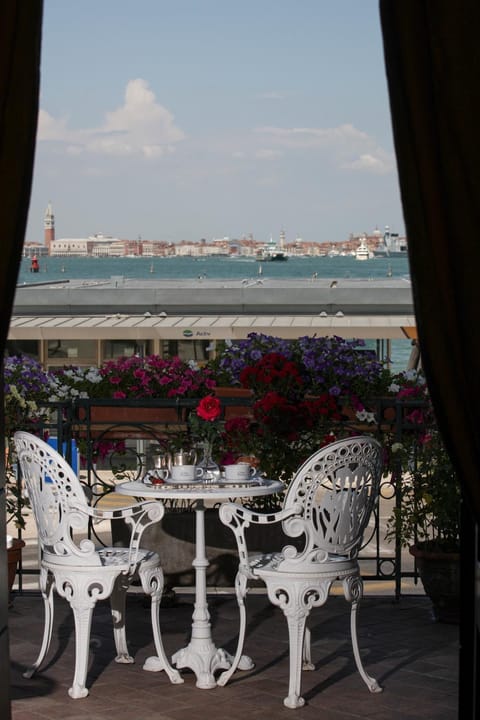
57, 268
176, 268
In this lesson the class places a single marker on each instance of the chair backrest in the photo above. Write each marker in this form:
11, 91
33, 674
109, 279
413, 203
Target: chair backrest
55, 494
336, 488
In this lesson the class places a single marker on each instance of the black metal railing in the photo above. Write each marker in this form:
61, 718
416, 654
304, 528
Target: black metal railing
107, 443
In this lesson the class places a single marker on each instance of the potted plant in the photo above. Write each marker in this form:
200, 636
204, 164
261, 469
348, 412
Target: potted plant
27, 391
427, 517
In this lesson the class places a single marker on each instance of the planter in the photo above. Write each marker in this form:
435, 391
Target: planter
230, 394
113, 414
440, 576
14, 554
174, 540
122, 422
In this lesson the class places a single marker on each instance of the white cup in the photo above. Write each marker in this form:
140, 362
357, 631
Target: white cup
186, 473
239, 472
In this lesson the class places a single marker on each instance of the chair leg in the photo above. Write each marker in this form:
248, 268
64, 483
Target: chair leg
241, 591
296, 634
353, 588
46, 588
307, 651
117, 605
296, 599
152, 584
82, 612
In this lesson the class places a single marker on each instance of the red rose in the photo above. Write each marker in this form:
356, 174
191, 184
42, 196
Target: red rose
209, 408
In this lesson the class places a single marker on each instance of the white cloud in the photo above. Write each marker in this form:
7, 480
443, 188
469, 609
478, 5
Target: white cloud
378, 165
50, 128
349, 148
313, 137
141, 126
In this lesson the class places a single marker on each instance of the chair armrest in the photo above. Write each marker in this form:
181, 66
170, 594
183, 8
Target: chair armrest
138, 517
238, 518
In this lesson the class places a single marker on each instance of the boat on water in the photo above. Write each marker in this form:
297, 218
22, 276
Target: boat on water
271, 252
391, 245
362, 252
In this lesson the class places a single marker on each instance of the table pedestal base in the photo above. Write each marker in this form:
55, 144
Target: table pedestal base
204, 659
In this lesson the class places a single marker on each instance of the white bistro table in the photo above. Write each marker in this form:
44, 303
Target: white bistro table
201, 654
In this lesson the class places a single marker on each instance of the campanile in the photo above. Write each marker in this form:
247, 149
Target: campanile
49, 227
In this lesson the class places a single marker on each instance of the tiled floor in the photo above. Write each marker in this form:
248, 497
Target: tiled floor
414, 658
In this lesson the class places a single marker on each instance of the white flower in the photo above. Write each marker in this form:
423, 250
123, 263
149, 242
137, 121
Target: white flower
364, 416
93, 375
397, 447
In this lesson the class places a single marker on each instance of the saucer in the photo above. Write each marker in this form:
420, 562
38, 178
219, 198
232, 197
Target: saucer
170, 480
238, 481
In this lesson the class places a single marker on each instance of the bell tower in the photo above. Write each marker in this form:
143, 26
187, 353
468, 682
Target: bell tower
49, 227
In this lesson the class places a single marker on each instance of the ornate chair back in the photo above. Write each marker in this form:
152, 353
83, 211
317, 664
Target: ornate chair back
55, 494
336, 489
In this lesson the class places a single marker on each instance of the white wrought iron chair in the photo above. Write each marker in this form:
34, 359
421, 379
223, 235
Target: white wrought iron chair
80, 572
329, 502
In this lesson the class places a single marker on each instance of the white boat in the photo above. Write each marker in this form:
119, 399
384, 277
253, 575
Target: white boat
362, 252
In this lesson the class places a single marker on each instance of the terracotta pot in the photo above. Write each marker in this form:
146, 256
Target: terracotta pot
122, 422
174, 539
440, 576
114, 414
14, 554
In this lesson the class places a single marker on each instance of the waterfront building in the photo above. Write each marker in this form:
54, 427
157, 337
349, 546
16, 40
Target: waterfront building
85, 322
100, 245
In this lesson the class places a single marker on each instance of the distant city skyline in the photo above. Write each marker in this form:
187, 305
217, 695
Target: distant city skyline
210, 119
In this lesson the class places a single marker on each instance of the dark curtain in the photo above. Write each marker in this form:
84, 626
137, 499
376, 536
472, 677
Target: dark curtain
20, 40
432, 62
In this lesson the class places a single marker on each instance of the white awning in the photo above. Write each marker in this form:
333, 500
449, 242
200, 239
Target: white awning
207, 327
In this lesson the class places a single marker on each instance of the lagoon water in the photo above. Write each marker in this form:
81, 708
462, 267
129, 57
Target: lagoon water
175, 268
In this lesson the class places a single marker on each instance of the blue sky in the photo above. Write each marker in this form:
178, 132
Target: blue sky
210, 118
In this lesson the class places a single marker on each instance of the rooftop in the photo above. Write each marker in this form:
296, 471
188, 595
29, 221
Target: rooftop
248, 296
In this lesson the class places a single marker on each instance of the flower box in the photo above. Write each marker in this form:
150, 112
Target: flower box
125, 415
230, 394
122, 422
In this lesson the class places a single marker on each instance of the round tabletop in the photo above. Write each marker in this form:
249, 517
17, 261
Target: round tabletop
201, 490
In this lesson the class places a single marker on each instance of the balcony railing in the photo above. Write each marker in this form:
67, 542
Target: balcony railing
107, 442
